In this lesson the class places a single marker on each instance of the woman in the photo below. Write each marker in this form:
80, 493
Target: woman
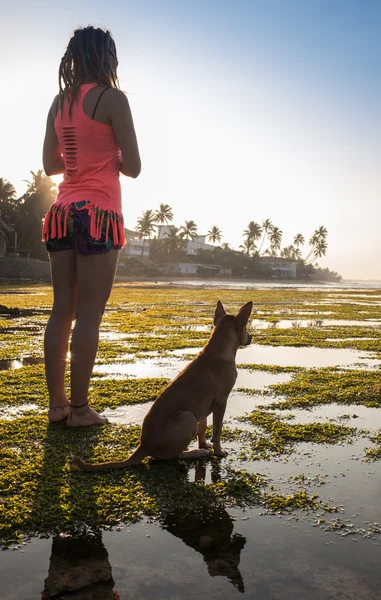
90, 138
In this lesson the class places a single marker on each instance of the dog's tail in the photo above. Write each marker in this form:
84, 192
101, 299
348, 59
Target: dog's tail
135, 458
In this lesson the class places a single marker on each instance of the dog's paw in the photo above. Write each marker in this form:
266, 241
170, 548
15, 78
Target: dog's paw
205, 446
220, 453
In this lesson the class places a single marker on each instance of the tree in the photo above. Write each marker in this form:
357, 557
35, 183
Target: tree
40, 194
298, 240
226, 246
266, 228
253, 232
146, 225
189, 230
275, 238
318, 244
173, 241
247, 247
163, 216
214, 235
8, 202
320, 249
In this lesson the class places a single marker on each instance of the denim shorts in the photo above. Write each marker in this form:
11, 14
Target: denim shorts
78, 234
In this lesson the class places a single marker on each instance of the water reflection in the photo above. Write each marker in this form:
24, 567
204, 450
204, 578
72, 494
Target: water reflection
79, 568
17, 363
209, 530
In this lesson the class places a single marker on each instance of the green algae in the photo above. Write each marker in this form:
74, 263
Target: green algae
41, 493
374, 453
27, 385
314, 387
274, 437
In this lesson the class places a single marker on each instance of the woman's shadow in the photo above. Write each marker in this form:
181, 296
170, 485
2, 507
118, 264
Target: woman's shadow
79, 565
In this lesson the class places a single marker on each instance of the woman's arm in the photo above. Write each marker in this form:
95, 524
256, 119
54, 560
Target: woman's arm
123, 126
51, 154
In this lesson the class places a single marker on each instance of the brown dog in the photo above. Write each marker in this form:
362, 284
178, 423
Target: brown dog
182, 408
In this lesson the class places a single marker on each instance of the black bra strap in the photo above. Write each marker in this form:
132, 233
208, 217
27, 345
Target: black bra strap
97, 102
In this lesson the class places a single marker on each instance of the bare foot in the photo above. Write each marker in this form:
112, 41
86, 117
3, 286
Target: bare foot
58, 413
83, 417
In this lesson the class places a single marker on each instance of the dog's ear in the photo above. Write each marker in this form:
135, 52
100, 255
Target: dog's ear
218, 313
244, 314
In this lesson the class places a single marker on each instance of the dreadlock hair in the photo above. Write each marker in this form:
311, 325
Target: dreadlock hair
90, 56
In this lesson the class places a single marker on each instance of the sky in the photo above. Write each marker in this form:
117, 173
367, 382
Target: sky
244, 110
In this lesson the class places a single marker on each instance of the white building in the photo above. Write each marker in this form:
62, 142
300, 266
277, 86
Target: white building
136, 246
192, 245
284, 268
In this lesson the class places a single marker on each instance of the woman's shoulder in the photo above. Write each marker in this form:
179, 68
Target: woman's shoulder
116, 96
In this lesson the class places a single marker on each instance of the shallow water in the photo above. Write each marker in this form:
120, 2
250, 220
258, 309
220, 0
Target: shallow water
312, 323
217, 553
229, 552
17, 363
276, 561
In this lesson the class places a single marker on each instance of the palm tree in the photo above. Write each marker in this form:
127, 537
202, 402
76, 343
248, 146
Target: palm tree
226, 246
253, 232
266, 227
7, 200
173, 241
318, 244
146, 225
189, 230
298, 240
286, 252
320, 249
247, 247
214, 235
41, 184
40, 194
163, 216
275, 238
321, 232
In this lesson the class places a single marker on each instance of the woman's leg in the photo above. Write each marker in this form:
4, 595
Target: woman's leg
63, 268
95, 277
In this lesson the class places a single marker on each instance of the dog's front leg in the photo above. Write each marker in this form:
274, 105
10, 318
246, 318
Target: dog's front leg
201, 433
219, 407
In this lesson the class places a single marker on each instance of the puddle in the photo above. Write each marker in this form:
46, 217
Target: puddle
153, 367
216, 552
114, 336
223, 552
303, 357
169, 368
351, 415
17, 363
14, 412
311, 323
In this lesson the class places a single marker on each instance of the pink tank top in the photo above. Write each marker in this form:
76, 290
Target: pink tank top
92, 159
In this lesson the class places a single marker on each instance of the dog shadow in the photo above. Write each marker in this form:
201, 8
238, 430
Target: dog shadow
79, 564
205, 526
189, 510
